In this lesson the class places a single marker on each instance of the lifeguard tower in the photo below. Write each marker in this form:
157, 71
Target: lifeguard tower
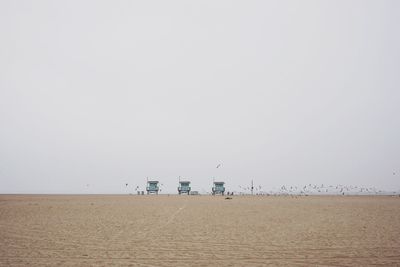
152, 187
218, 188
184, 187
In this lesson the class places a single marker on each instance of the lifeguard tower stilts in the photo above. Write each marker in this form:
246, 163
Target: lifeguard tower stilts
218, 188
152, 187
184, 187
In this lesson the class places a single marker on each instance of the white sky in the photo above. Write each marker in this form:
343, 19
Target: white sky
283, 92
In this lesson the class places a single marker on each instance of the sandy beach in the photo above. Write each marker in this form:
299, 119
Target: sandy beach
104, 230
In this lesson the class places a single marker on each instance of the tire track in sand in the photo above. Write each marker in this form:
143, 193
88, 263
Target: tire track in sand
152, 233
172, 217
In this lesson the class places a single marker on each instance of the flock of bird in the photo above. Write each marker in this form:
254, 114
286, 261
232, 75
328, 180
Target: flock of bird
315, 189
329, 189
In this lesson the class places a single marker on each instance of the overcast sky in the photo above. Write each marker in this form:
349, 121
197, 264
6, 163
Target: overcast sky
96, 94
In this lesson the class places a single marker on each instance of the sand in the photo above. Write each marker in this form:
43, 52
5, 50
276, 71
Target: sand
101, 230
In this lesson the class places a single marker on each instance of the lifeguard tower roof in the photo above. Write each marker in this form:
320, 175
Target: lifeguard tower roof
219, 182
184, 181
152, 181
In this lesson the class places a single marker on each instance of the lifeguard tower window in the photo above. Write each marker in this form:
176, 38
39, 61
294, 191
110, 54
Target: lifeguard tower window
184, 187
152, 187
